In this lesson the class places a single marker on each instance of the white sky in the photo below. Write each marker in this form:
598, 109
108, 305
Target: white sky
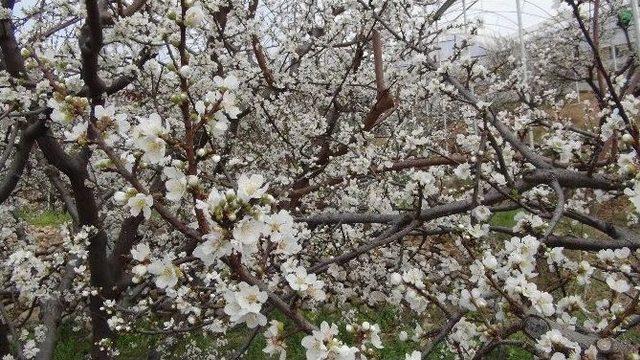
499, 16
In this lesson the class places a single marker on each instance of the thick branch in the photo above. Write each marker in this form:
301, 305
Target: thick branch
20, 159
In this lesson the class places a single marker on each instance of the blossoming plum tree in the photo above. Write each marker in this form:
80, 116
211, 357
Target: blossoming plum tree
224, 161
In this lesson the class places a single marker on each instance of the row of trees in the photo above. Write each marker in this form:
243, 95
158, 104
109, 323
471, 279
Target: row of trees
226, 160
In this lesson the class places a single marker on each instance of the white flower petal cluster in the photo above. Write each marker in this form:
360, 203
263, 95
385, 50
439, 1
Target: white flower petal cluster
244, 305
481, 213
322, 344
248, 223
274, 337
141, 252
67, 109
136, 202
194, 16
116, 122
26, 270
557, 347
281, 231
213, 248
176, 184
251, 187
306, 284
370, 334
78, 133
618, 285
166, 273
148, 137
221, 103
415, 355
140, 203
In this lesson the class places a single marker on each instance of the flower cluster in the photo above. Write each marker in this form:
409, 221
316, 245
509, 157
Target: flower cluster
244, 305
322, 344
215, 167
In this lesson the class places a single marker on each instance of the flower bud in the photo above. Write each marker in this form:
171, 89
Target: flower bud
630, 168
403, 336
192, 180
185, 71
396, 278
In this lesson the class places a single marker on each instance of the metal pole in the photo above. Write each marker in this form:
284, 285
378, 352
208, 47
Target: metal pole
464, 20
439, 55
523, 55
464, 14
468, 51
523, 50
636, 26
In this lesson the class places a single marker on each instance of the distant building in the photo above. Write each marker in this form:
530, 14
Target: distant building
446, 43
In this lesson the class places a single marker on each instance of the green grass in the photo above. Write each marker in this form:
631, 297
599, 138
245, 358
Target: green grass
76, 345
503, 218
631, 336
44, 218
71, 345
511, 353
132, 346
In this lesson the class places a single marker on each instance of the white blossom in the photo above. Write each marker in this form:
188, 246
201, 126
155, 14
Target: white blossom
166, 273
140, 203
